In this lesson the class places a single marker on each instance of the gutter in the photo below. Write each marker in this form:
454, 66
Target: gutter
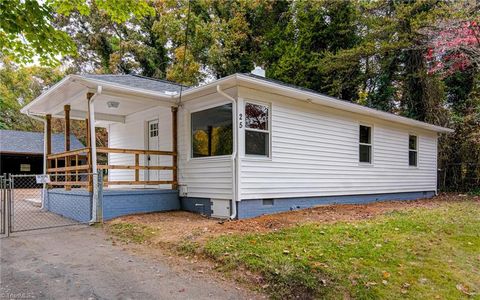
44, 121
324, 100
234, 154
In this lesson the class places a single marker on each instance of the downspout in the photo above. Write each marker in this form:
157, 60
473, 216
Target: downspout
44, 121
234, 154
93, 147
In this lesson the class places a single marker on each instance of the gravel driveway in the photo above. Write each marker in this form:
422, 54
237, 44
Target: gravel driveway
79, 263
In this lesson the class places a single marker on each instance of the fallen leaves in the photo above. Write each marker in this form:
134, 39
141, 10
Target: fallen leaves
465, 289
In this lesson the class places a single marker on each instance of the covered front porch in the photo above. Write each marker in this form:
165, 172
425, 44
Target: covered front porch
123, 177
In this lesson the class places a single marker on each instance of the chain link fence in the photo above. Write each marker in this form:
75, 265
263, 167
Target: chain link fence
459, 177
31, 207
3, 197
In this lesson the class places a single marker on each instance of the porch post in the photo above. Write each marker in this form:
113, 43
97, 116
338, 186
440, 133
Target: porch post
48, 142
45, 162
66, 109
93, 155
49, 135
89, 158
88, 140
175, 147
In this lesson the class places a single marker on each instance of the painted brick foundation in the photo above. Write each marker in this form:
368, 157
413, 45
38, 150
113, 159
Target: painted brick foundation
254, 208
73, 204
197, 205
116, 203
77, 204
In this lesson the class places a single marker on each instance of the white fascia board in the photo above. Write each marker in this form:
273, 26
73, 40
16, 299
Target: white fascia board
225, 82
340, 104
92, 84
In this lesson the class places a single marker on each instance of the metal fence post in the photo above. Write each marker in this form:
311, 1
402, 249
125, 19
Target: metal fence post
8, 206
2, 203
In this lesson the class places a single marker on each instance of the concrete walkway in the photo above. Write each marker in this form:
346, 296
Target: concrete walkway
79, 263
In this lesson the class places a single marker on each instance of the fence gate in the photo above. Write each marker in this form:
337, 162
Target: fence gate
25, 205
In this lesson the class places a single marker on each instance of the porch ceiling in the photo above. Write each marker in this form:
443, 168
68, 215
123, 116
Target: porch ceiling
73, 91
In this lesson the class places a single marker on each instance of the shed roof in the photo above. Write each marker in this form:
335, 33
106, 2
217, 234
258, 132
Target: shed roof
27, 142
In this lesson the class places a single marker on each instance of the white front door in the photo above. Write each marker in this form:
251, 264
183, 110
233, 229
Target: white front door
153, 144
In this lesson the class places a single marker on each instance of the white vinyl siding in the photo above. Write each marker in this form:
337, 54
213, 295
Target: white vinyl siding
315, 153
204, 177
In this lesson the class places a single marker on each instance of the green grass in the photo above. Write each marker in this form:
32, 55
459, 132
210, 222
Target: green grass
187, 247
416, 254
131, 232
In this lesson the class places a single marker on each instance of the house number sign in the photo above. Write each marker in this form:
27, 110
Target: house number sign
240, 120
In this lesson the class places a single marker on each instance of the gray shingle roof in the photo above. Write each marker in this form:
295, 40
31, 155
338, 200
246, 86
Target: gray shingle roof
291, 85
14, 141
137, 81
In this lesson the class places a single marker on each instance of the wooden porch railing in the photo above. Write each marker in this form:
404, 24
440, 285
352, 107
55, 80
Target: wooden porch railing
76, 163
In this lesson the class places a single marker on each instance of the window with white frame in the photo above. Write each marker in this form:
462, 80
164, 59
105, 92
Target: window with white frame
153, 129
212, 131
412, 150
365, 144
257, 129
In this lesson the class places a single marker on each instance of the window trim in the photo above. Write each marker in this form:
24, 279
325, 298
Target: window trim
154, 130
363, 163
415, 150
268, 131
189, 133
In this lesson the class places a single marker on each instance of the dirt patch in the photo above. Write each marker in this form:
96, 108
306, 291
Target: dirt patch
175, 228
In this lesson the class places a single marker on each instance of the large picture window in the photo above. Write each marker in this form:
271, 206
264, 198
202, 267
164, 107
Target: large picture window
212, 131
412, 150
257, 130
365, 144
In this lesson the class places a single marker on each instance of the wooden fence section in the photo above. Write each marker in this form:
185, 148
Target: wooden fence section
73, 163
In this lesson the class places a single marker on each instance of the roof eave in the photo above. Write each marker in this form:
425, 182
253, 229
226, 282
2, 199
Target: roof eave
344, 105
121, 87
26, 108
225, 82
91, 84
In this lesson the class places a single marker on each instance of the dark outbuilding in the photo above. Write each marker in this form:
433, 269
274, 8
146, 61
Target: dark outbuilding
21, 152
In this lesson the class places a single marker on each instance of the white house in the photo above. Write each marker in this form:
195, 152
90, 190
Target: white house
246, 145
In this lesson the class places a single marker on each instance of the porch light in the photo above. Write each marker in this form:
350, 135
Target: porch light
113, 104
